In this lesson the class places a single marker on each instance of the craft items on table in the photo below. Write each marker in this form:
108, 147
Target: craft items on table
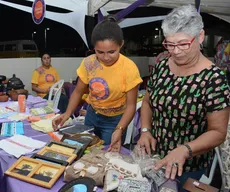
42, 110
61, 146
83, 142
18, 117
75, 129
18, 145
6, 115
83, 184
38, 118
126, 169
35, 171
146, 163
49, 160
10, 129
165, 189
45, 123
118, 169
112, 179
90, 165
128, 185
95, 140
36, 102
57, 154
22, 103
10, 113
13, 106
55, 136
156, 177
197, 186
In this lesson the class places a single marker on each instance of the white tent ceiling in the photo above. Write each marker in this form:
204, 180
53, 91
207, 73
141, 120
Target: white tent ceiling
80, 8
218, 8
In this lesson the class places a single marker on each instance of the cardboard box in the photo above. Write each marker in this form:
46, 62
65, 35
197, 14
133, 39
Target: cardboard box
193, 185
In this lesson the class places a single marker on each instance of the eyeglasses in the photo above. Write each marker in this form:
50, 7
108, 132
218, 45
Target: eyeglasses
181, 46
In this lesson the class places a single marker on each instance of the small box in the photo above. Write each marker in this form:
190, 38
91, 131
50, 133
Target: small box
193, 185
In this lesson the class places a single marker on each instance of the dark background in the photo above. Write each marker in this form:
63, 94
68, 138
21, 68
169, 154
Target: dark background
61, 39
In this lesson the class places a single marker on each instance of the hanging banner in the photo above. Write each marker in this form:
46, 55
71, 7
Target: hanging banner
38, 11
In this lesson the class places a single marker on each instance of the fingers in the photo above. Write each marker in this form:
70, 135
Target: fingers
180, 169
153, 144
143, 146
114, 148
115, 145
168, 170
109, 149
147, 148
60, 120
174, 170
55, 123
160, 164
63, 120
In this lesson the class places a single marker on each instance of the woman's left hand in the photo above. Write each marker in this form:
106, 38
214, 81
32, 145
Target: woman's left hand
174, 162
115, 145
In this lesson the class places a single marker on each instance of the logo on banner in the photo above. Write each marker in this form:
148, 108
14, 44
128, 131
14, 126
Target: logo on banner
38, 11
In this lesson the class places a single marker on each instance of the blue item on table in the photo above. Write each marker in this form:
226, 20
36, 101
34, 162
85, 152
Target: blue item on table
12, 128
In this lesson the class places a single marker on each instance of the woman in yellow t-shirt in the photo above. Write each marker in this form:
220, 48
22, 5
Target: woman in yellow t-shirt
44, 77
112, 80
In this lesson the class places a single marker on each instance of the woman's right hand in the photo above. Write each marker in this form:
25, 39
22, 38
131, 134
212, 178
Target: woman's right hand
147, 141
59, 120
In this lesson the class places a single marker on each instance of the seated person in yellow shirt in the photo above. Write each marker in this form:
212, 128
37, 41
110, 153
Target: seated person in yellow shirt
44, 77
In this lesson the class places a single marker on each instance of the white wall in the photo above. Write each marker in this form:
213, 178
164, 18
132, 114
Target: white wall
66, 67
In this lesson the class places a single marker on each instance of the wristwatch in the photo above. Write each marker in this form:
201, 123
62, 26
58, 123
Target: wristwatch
143, 130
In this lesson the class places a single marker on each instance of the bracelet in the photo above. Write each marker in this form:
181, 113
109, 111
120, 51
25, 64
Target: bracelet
118, 127
189, 150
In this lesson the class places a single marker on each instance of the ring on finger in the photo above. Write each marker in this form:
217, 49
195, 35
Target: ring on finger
175, 164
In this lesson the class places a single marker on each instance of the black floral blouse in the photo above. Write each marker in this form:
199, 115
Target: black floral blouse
180, 106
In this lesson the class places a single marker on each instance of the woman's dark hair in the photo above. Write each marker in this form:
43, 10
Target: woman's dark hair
107, 30
44, 53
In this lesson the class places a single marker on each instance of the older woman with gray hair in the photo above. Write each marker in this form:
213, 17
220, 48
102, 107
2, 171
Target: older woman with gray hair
185, 111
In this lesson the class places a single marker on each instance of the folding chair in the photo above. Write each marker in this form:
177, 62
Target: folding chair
55, 93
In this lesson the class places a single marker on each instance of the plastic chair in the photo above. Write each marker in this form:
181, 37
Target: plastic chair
131, 128
55, 93
217, 159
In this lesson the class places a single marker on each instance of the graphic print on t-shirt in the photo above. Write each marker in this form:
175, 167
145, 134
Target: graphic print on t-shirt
99, 88
49, 78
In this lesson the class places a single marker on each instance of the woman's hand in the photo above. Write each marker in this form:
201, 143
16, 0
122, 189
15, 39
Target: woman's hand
174, 162
59, 120
147, 141
115, 145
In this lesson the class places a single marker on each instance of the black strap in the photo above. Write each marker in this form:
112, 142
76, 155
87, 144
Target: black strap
197, 5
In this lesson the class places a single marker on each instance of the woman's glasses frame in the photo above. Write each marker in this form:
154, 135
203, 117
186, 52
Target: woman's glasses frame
181, 46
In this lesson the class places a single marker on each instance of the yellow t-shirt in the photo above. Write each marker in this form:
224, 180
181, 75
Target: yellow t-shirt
44, 78
108, 85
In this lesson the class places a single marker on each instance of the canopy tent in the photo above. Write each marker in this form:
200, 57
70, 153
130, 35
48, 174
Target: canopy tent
220, 8
80, 8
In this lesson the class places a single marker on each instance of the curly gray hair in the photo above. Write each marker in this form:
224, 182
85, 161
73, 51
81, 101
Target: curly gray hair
183, 19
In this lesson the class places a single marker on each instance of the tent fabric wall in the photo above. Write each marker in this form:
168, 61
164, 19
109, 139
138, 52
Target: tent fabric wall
218, 8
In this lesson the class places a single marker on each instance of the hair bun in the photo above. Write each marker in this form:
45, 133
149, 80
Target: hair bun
111, 18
